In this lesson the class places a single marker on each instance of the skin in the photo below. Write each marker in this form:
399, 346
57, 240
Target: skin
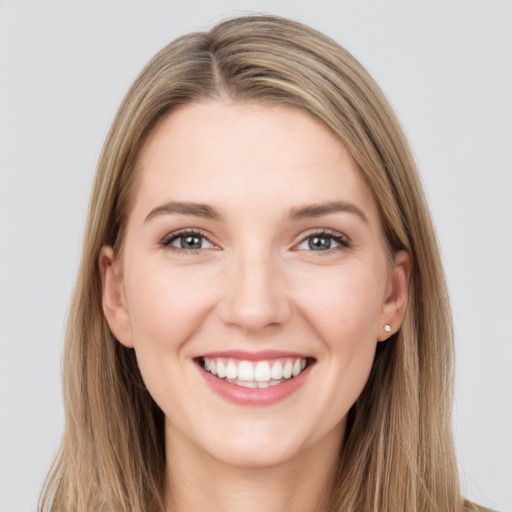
255, 284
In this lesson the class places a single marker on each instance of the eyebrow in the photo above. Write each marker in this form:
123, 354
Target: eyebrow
179, 208
297, 213
320, 209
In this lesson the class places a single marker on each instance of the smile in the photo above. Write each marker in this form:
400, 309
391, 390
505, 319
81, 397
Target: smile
254, 374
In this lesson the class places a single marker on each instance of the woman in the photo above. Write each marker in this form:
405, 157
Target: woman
260, 317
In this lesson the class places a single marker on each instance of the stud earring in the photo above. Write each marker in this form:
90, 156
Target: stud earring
387, 328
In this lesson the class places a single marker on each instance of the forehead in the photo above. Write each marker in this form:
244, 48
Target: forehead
225, 153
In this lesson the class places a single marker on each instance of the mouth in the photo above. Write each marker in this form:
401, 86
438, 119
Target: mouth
252, 374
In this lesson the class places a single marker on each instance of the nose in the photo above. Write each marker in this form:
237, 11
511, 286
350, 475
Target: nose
254, 296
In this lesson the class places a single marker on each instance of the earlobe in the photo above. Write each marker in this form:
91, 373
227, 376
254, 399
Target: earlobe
393, 310
113, 297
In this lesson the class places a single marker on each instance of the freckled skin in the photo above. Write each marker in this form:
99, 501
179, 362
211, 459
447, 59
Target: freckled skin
255, 283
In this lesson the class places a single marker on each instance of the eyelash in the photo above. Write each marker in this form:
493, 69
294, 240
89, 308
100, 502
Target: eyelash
172, 237
342, 240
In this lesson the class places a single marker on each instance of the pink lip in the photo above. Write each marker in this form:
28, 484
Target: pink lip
248, 396
262, 355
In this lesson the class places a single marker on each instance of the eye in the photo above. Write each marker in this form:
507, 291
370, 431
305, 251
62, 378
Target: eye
323, 241
187, 241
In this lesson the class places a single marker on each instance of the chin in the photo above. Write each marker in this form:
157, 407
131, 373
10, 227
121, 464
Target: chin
263, 443
257, 454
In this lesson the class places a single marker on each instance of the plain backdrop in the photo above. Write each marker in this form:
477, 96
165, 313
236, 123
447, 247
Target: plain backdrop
446, 67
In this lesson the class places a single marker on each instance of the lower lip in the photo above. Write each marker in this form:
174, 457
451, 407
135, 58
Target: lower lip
254, 396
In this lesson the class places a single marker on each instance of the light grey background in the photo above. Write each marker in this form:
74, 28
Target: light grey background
64, 67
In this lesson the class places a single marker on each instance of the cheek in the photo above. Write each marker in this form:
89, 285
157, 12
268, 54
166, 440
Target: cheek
344, 306
344, 313
341, 308
346, 318
166, 305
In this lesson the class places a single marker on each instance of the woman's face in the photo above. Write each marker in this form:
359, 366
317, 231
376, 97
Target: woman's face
253, 251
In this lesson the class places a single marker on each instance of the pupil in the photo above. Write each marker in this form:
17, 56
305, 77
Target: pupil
191, 242
319, 243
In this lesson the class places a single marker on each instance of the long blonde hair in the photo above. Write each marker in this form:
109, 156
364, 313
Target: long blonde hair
398, 452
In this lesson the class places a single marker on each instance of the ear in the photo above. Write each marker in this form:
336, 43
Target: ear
113, 297
393, 309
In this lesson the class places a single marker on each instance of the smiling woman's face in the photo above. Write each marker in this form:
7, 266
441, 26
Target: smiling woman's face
253, 251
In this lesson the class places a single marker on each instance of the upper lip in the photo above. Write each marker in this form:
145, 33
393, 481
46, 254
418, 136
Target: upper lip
260, 355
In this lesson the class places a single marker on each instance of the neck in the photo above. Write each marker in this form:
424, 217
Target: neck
200, 483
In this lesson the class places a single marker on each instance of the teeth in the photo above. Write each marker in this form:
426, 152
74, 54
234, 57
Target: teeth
296, 368
262, 372
277, 370
251, 374
254, 384
231, 370
246, 384
221, 370
287, 370
246, 371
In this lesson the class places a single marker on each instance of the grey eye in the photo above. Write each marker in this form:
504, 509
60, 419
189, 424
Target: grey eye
189, 242
319, 243
324, 241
